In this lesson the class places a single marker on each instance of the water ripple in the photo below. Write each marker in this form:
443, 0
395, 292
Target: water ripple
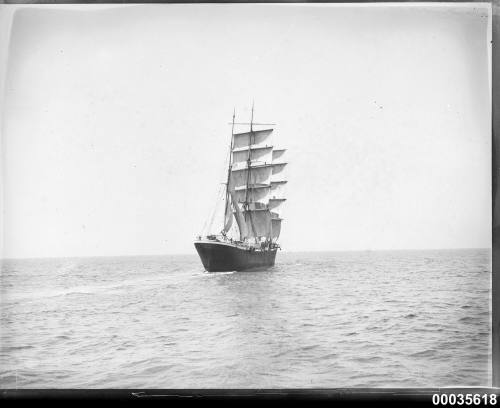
365, 319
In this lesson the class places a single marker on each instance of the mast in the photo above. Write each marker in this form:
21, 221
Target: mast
229, 169
249, 161
250, 142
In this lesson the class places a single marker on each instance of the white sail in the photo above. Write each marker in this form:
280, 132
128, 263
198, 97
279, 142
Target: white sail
228, 217
258, 194
275, 205
277, 189
278, 171
256, 138
278, 155
258, 175
263, 155
240, 220
258, 223
275, 228
257, 206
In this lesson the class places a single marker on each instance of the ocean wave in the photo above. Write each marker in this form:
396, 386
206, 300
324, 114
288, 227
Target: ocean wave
424, 353
330, 318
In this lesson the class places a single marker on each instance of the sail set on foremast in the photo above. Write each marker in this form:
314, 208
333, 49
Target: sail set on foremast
254, 188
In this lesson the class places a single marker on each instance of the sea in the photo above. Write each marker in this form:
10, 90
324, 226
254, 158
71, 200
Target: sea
314, 320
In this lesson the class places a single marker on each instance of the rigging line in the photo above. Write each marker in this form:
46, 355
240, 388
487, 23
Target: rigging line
216, 208
203, 229
210, 215
207, 225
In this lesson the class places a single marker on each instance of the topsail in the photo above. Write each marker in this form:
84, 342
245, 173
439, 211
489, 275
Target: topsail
257, 138
258, 155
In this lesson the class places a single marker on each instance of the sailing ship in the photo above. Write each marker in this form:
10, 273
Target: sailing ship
254, 198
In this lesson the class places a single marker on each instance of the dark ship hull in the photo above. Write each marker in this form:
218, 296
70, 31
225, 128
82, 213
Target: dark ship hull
219, 256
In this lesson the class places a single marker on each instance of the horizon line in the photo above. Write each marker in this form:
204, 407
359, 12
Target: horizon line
194, 253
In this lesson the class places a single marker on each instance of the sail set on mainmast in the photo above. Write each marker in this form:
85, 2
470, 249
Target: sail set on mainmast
254, 189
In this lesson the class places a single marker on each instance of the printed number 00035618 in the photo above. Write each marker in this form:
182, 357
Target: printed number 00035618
464, 399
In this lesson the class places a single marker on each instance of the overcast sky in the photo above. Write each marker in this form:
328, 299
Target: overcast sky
114, 127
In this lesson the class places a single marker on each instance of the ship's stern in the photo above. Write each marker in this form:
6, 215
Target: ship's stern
216, 257
219, 256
